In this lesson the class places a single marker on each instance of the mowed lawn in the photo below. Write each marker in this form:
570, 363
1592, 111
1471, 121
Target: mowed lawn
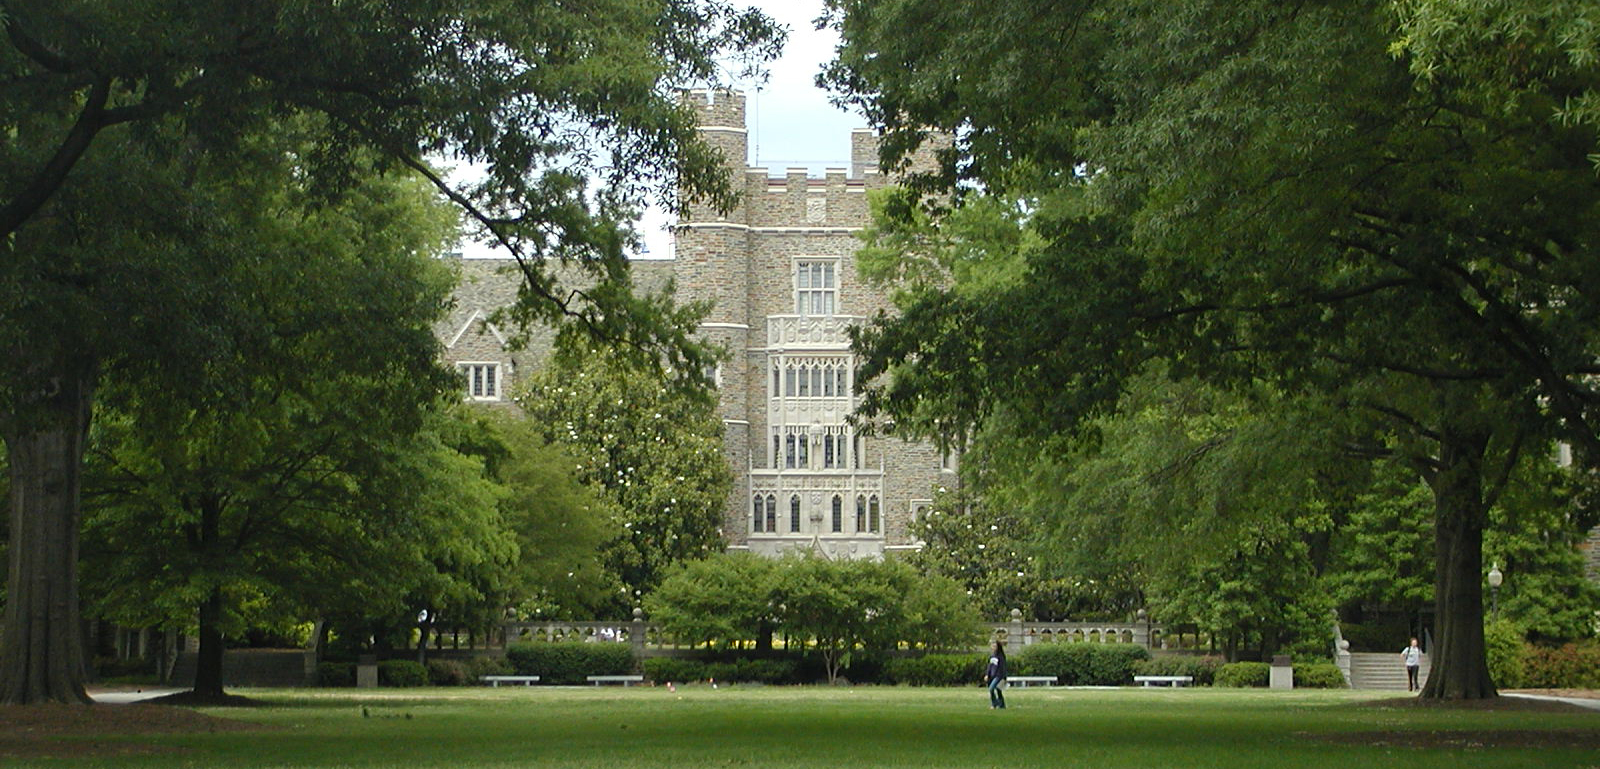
821, 727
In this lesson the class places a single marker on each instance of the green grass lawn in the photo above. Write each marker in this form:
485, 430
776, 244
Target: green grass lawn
617, 728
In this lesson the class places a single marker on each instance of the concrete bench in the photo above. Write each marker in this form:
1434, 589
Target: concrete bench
1164, 680
1025, 681
497, 680
624, 680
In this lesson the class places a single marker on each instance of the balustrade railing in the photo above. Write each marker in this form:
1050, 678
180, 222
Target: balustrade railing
648, 639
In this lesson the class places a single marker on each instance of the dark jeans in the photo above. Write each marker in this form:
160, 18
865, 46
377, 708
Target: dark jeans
1411, 678
996, 698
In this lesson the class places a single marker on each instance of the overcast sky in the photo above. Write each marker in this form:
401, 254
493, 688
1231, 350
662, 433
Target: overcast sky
790, 120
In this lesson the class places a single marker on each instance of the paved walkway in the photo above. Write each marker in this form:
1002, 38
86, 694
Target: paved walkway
1581, 702
124, 697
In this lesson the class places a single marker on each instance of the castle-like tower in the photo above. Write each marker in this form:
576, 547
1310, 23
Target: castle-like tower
779, 271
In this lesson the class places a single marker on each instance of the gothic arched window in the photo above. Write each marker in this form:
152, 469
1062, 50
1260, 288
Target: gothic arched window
794, 513
838, 513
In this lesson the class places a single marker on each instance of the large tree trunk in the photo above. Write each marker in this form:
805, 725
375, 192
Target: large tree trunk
208, 663
1460, 668
41, 651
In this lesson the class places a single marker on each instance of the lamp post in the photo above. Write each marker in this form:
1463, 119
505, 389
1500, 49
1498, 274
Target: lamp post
1495, 578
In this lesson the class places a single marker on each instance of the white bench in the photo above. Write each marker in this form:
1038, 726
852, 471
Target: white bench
497, 680
1025, 681
1164, 680
624, 680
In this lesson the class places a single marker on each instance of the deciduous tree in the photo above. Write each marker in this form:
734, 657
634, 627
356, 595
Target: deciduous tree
1254, 192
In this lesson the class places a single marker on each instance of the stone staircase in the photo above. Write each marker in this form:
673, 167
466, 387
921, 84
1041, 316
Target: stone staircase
249, 667
1379, 670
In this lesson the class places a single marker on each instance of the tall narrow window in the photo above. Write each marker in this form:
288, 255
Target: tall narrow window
815, 288
804, 444
788, 381
827, 382
772, 514
816, 381
777, 452
794, 513
840, 386
777, 383
483, 380
789, 453
756, 519
873, 521
838, 514
861, 513
805, 382
827, 451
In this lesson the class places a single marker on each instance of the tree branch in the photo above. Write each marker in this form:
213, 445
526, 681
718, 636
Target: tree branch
49, 179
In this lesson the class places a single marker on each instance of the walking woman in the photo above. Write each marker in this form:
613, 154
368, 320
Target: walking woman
996, 676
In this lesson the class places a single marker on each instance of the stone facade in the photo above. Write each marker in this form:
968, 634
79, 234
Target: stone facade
779, 271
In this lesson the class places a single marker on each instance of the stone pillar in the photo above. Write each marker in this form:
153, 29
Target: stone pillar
1014, 634
636, 636
1281, 675
367, 672
1141, 628
313, 653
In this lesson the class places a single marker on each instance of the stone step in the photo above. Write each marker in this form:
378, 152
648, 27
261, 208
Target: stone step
1381, 671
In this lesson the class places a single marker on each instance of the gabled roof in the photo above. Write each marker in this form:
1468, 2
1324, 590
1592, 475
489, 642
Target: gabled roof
476, 316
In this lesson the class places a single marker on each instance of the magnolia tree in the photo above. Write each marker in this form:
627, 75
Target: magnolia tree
835, 607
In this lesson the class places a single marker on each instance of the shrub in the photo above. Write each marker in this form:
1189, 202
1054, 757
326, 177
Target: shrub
336, 674
721, 672
937, 670
1573, 666
668, 669
487, 665
449, 673
769, 671
570, 662
1318, 675
1507, 654
1202, 669
1082, 664
1243, 674
402, 673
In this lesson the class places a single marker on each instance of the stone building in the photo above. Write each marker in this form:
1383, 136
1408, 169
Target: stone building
779, 271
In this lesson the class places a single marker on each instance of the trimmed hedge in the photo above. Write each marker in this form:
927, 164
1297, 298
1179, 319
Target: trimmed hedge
1081, 664
1202, 669
765, 671
1318, 675
1573, 666
570, 662
402, 673
487, 665
336, 674
1244, 674
936, 670
673, 669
